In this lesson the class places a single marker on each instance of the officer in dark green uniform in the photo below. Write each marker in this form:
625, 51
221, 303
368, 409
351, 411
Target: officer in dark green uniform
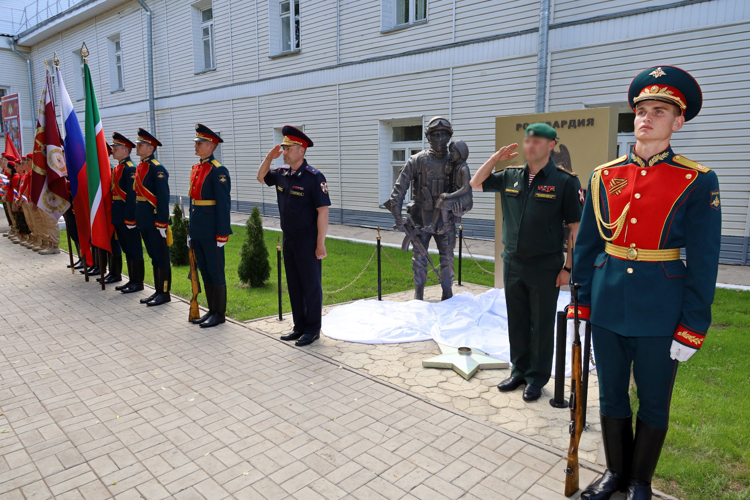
210, 205
536, 199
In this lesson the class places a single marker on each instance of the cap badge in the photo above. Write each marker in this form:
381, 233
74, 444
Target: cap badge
657, 73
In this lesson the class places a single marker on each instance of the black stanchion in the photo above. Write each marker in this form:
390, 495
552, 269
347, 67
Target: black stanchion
278, 265
460, 250
559, 400
380, 282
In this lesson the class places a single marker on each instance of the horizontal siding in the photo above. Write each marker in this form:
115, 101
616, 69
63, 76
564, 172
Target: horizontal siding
719, 60
573, 10
14, 76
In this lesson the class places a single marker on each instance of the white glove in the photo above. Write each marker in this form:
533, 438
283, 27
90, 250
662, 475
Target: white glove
162, 231
130, 227
681, 352
220, 244
188, 241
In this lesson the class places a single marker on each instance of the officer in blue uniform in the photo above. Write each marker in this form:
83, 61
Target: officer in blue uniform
302, 194
647, 308
210, 203
152, 214
123, 213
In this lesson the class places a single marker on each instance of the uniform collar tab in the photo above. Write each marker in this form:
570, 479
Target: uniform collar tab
125, 161
662, 157
208, 159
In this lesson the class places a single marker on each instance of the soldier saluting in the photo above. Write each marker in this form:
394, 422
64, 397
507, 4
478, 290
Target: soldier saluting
210, 204
302, 194
152, 214
123, 213
646, 307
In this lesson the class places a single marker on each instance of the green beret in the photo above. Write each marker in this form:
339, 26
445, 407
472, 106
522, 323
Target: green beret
541, 130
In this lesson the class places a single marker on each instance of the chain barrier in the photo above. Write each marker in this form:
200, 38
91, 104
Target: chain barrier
358, 276
397, 266
474, 258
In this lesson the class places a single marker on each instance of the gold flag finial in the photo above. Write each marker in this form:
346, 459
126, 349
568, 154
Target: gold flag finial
85, 53
46, 64
56, 60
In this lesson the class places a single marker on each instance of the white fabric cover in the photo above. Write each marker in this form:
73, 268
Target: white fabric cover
465, 320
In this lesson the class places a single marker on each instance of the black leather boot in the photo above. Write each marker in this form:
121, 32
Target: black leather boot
220, 307
157, 280
648, 444
209, 298
617, 435
115, 269
130, 275
138, 271
164, 285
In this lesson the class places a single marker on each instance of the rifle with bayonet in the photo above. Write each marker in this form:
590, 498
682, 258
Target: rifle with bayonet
578, 395
195, 281
412, 237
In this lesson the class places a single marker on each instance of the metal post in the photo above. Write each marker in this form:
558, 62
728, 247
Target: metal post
278, 266
380, 282
460, 250
559, 400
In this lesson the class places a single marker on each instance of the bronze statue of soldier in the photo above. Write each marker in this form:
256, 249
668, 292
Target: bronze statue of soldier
431, 173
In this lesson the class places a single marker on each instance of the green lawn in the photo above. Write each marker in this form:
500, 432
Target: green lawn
707, 452
344, 262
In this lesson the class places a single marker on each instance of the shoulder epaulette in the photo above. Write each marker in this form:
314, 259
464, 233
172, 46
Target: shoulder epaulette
129, 163
154, 161
567, 171
681, 160
312, 170
216, 162
613, 162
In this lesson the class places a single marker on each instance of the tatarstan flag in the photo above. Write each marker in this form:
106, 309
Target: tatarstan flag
97, 170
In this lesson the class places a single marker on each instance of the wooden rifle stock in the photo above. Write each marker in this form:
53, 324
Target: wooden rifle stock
196, 286
577, 404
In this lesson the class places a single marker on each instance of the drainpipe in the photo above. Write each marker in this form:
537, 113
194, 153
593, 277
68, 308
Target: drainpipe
541, 61
12, 44
150, 56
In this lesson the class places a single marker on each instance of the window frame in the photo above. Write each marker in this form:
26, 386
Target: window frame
80, 79
211, 38
278, 19
116, 70
388, 168
389, 20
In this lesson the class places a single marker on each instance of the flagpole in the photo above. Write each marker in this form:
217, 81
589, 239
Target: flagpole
102, 259
70, 245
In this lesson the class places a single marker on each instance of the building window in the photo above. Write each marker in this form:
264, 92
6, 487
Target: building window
398, 141
285, 26
203, 36
625, 131
3, 93
402, 13
116, 78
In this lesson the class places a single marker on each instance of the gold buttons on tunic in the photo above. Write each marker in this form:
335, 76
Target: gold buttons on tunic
643, 172
632, 245
637, 196
633, 220
630, 270
606, 172
689, 176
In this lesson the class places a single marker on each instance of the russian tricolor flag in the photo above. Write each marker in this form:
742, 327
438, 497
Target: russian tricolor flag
75, 157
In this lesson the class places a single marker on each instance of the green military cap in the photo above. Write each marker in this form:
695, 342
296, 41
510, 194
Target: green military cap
541, 130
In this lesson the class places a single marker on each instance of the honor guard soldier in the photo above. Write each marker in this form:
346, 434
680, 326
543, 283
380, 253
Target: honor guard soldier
152, 214
647, 308
210, 204
536, 199
114, 258
302, 194
123, 213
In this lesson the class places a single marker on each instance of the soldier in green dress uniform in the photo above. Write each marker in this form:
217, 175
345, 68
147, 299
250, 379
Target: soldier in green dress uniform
648, 310
536, 199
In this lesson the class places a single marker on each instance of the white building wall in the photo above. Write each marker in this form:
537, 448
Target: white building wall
14, 77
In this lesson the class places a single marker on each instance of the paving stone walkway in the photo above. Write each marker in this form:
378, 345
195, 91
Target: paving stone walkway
401, 365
